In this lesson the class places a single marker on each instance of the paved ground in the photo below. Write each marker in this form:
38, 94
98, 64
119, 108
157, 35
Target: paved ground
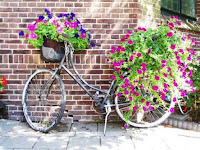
18, 136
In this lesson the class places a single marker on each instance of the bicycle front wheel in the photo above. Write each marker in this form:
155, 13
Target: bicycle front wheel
43, 100
153, 115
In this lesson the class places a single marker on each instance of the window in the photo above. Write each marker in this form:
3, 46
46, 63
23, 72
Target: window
184, 9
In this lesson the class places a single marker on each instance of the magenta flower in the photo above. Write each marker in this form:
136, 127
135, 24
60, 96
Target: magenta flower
147, 103
176, 53
176, 17
174, 99
144, 69
122, 39
169, 69
126, 92
150, 108
33, 36
181, 50
189, 58
149, 50
142, 100
125, 126
27, 36
171, 24
112, 51
126, 80
31, 27
139, 54
60, 30
165, 74
190, 73
175, 84
132, 91
165, 85
173, 46
119, 94
192, 52
163, 65
123, 49
132, 87
195, 43
172, 110
139, 71
188, 36
134, 108
83, 35
73, 25
170, 34
155, 88
144, 108
178, 23
157, 78
130, 42
141, 86
143, 64
131, 57
127, 36
178, 57
165, 90
118, 50
137, 94
113, 77
163, 61
130, 98
183, 39
160, 92
127, 109
163, 97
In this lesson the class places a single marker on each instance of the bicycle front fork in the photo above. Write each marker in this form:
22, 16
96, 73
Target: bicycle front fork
108, 111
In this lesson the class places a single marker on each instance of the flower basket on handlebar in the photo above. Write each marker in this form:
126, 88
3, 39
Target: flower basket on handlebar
52, 51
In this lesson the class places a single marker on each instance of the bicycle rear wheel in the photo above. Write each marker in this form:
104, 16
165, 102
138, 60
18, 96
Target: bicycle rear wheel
139, 118
43, 100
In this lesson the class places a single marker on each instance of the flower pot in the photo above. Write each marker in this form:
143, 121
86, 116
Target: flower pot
52, 51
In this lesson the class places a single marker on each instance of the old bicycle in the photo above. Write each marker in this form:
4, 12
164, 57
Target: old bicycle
44, 97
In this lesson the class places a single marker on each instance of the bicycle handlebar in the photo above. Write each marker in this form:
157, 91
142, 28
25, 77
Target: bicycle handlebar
67, 36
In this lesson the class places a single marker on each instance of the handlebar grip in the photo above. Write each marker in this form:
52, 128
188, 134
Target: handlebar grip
94, 43
67, 36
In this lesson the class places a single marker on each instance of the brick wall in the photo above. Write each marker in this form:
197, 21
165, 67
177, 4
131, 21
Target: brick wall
107, 20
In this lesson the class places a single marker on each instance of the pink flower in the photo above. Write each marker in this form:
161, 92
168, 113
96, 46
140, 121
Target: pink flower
144, 108
139, 28
188, 36
132, 87
129, 32
169, 69
163, 65
174, 99
126, 80
27, 36
33, 36
132, 91
165, 90
189, 58
118, 50
122, 39
119, 94
130, 42
141, 86
171, 24
113, 77
131, 57
149, 50
83, 36
127, 36
173, 46
163, 97
139, 54
60, 30
183, 39
126, 92
157, 78
176, 53
127, 109
144, 29
31, 27
147, 103
192, 52
160, 92
125, 126
130, 98
190, 74
165, 85
137, 94
150, 108
123, 49
139, 71
163, 61
165, 74
195, 43
176, 17
143, 64
112, 51
169, 34
134, 108
175, 84
180, 50
155, 88
178, 57
172, 110
142, 100
178, 23
144, 69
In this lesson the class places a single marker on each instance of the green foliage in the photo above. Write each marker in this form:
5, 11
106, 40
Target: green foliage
153, 58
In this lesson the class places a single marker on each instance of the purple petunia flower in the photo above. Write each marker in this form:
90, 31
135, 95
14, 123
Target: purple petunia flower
60, 15
41, 17
47, 11
76, 36
21, 33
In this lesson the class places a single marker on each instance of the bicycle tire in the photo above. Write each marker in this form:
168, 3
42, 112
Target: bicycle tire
37, 106
143, 124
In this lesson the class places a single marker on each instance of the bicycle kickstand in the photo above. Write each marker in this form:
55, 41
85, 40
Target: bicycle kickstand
108, 110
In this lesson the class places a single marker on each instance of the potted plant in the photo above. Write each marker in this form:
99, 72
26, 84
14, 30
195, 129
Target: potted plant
3, 83
157, 61
47, 32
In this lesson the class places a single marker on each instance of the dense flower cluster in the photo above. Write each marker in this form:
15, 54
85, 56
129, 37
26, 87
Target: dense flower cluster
156, 60
3, 83
52, 26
